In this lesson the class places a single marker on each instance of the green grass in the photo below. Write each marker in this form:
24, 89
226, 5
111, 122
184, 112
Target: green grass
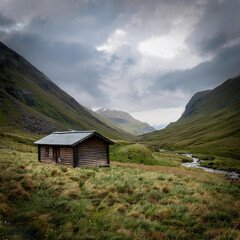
15, 139
222, 163
135, 153
217, 136
127, 152
44, 201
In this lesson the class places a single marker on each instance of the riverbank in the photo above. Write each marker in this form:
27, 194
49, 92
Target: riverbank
196, 163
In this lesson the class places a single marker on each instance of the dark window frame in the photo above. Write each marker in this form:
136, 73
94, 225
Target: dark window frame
46, 151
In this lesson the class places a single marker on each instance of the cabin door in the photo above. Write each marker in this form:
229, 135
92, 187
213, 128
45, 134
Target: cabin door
56, 154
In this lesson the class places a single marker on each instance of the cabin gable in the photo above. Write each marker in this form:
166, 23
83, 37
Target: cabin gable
93, 151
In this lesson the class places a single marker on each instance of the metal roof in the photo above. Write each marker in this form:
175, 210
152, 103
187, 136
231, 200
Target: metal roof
68, 138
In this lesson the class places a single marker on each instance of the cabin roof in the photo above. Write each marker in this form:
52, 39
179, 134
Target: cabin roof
69, 138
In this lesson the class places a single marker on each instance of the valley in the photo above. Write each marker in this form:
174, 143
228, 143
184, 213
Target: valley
145, 194
30, 101
209, 128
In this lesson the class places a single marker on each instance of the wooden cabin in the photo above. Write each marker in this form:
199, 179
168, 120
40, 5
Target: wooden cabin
74, 148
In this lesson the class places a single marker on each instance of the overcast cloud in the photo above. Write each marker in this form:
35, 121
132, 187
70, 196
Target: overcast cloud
144, 57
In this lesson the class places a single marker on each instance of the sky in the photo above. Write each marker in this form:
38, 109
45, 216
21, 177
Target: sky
144, 57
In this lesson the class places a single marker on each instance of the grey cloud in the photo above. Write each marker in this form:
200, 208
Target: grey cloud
59, 37
26, 9
93, 21
214, 43
205, 75
65, 63
6, 21
218, 26
85, 21
38, 49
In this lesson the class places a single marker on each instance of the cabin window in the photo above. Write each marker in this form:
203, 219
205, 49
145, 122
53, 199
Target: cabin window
46, 151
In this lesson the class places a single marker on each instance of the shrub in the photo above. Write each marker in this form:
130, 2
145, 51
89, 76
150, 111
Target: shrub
3, 198
81, 182
21, 166
161, 178
5, 210
28, 184
166, 190
63, 169
55, 172
134, 214
154, 196
124, 189
162, 214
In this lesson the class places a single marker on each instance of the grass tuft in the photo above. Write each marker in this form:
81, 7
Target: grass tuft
125, 201
166, 190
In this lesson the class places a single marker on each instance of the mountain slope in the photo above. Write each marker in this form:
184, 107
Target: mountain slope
125, 121
209, 125
207, 102
30, 101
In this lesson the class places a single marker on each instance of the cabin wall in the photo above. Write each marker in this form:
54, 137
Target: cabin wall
43, 157
66, 155
93, 151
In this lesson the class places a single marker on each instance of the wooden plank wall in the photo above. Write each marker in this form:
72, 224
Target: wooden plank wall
66, 155
43, 156
93, 151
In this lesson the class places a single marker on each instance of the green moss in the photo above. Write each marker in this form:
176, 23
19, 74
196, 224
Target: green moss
134, 153
223, 163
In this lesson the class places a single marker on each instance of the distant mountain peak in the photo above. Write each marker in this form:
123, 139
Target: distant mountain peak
102, 109
125, 121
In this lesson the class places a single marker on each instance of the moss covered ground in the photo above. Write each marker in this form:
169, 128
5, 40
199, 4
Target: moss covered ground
127, 152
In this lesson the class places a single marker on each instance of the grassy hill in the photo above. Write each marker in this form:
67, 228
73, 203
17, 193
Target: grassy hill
210, 127
126, 152
208, 102
31, 102
125, 121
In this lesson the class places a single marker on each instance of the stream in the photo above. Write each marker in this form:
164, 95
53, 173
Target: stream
196, 164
